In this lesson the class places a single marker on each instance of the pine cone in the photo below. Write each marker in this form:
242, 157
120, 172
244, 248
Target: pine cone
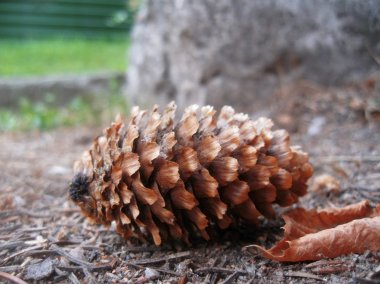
162, 180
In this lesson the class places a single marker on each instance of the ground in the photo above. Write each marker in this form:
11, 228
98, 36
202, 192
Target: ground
44, 237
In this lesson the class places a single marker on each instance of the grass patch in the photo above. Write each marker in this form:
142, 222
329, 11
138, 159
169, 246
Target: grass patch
62, 56
45, 115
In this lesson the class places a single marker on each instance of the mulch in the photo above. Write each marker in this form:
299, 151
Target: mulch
44, 238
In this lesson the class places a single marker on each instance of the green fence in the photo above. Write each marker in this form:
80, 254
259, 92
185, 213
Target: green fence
56, 18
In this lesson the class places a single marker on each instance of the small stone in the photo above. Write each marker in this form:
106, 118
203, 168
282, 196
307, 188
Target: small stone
59, 170
78, 252
316, 125
39, 270
151, 273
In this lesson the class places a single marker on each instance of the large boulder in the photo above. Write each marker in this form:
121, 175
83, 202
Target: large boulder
239, 52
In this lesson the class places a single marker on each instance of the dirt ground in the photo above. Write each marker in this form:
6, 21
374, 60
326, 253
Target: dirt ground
43, 237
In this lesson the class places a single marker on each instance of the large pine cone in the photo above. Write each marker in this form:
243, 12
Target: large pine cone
168, 180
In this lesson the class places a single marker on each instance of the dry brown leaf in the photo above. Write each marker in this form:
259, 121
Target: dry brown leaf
313, 235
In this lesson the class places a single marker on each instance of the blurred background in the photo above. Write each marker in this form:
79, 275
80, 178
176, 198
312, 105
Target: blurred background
62, 62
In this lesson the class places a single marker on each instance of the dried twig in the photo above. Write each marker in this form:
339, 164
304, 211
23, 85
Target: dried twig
73, 278
80, 262
376, 273
231, 278
12, 278
371, 279
11, 268
221, 264
329, 266
8, 220
143, 249
331, 269
69, 268
303, 275
42, 252
346, 158
21, 252
11, 245
68, 210
70, 257
166, 271
366, 281
73, 268
89, 276
161, 259
7, 213
219, 270
33, 214
10, 228
136, 266
208, 277
325, 262
64, 243
18, 212
373, 196
96, 246
31, 230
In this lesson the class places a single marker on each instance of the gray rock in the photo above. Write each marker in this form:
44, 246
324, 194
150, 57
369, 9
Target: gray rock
239, 52
40, 270
150, 273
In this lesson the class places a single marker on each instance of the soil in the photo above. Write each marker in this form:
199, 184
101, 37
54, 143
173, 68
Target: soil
44, 238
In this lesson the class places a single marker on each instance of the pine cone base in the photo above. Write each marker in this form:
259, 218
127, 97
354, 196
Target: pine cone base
162, 180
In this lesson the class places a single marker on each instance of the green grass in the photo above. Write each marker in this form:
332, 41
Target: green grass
61, 56
45, 115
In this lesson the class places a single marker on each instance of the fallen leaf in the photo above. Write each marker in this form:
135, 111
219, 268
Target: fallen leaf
314, 235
